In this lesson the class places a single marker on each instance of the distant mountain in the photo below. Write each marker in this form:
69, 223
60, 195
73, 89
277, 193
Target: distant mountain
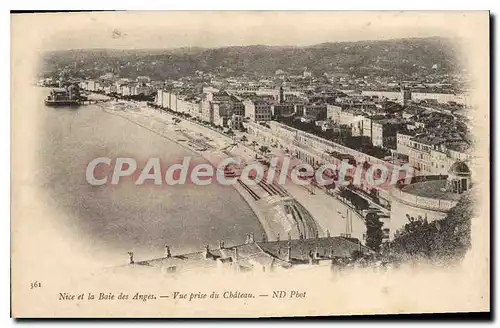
399, 57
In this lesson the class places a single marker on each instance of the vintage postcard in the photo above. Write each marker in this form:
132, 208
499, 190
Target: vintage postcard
249, 164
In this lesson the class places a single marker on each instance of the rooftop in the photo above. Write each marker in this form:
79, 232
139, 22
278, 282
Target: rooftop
429, 140
460, 147
328, 247
459, 168
259, 253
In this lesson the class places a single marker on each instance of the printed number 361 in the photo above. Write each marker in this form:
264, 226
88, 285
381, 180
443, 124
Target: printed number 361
35, 284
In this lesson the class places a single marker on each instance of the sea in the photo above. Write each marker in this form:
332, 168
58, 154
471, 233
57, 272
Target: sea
118, 219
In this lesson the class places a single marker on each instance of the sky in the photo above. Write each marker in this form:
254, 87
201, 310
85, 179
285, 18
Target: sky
126, 30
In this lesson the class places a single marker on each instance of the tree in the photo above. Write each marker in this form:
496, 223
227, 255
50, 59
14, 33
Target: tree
330, 187
440, 240
374, 234
356, 254
374, 194
359, 202
244, 139
264, 150
254, 144
230, 132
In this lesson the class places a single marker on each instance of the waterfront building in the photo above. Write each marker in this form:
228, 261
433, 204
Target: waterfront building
163, 98
110, 88
142, 89
84, 85
182, 106
236, 121
208, 92
91, 85
98, 86
119, 84
173, 101
207, 112
257, 111
222, 113
125, 90
238, 106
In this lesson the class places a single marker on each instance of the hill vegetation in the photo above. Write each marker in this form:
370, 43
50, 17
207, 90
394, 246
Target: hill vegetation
397, 58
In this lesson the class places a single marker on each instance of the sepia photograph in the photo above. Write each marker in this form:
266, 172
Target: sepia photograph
249, 163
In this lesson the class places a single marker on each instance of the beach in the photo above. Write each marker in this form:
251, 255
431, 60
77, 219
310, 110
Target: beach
109, 221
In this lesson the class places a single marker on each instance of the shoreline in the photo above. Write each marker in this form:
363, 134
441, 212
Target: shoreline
314, 217
173, 136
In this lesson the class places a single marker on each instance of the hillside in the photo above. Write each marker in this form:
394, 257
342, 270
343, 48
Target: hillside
400, 57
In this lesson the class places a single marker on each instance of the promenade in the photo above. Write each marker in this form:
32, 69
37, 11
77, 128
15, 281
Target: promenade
309, 215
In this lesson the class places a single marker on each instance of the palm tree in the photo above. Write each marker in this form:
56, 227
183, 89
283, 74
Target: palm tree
254, 143
264, 150
244, 139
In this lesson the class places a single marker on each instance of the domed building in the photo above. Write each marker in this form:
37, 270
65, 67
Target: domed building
459, 178
428, 197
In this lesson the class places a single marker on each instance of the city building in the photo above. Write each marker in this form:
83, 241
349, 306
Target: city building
110, 88
125, 90
384, 132
222, 113
236, 121
237, 106
333, 113
281, 110
207, 112
403, 138
318, 111
442, 98
419, 155
430, 154
143, 80
257, 111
